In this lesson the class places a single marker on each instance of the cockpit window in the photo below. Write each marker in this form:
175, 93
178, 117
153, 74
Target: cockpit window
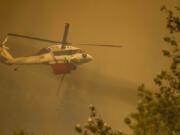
67, 52
79, 51
43, 51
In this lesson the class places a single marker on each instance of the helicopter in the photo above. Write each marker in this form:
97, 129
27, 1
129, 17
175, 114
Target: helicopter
61, 56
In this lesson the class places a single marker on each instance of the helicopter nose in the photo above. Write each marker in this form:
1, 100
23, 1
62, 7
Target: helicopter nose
89, 57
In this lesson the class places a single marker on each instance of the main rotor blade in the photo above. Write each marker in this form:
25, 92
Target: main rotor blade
33, 38
66, 30
64, 39
5, 41
102, 45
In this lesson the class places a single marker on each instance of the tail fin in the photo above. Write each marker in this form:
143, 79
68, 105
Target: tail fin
4, 53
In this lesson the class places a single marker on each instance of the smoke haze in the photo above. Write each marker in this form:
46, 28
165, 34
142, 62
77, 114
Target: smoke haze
28, 96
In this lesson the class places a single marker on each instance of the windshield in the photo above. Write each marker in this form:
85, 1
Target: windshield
43, 51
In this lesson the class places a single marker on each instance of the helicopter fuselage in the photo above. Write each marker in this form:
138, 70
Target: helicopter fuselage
62, 60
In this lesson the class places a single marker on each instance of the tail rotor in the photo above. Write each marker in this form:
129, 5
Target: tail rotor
3, 44
5, 41
5, 55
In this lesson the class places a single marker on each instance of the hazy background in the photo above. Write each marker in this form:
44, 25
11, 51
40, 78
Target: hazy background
28, 97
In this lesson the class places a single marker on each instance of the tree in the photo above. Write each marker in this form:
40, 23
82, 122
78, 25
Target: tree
158, 112
96, 125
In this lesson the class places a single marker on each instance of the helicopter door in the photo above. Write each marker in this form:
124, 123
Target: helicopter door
61, 64
61, 56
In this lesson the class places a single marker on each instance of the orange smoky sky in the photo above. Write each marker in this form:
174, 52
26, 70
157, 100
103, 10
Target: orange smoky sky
28, 96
